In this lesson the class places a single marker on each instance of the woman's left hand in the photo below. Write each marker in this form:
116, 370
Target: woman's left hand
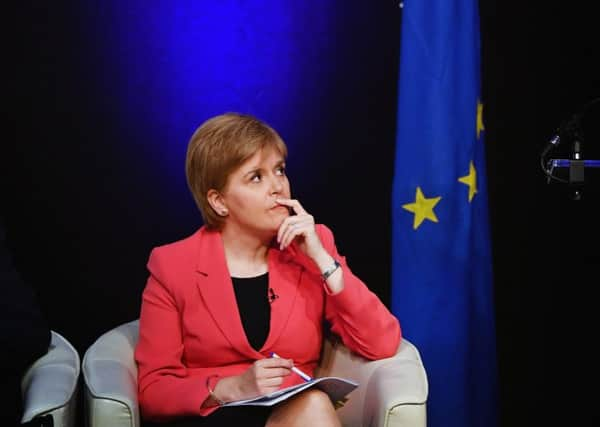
300, 227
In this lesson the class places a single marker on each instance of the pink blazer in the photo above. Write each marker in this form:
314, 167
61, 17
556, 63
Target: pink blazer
190, 326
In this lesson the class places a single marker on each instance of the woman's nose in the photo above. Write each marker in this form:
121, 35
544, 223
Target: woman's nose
276, 184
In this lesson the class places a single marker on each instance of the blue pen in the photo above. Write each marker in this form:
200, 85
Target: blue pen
296, 370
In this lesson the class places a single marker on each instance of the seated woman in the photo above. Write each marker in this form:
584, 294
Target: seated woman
259, 277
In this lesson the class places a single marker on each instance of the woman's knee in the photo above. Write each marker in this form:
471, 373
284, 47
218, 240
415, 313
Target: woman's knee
317, 400
312, 407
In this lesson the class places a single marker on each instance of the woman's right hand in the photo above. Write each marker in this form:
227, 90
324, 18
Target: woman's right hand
263, 377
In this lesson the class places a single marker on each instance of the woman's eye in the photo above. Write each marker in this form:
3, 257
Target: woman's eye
281, 170
255, 178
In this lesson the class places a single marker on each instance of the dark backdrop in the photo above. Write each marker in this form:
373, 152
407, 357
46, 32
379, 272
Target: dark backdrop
85, 199
541, 67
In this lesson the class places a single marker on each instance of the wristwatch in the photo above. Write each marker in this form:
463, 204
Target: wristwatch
325, 275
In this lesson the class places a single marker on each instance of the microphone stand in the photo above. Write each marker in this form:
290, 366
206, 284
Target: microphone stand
576, 164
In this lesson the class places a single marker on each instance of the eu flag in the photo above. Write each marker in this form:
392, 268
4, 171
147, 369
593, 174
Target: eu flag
442, 289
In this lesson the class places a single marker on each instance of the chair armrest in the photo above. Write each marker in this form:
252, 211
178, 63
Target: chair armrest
391, 392
110, 378
50, 384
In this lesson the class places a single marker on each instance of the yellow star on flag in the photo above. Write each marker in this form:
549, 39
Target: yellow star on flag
470, 180
480, 126
422, 208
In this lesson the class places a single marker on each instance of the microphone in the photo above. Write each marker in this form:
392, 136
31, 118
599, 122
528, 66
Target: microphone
547, 165
272, 295
554, 141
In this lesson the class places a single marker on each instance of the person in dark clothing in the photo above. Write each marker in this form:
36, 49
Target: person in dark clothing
24, 332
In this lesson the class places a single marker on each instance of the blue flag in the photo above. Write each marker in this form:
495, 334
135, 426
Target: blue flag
442, 288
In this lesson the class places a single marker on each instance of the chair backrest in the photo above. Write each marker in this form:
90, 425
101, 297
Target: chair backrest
110, 378
51, 383
116, 344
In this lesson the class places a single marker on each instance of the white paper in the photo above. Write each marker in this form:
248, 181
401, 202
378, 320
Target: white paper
337, 389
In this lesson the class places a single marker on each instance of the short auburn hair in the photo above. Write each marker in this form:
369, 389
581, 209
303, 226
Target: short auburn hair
217, 148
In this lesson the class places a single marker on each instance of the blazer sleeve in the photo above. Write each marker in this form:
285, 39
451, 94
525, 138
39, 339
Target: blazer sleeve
356, 314
165, 389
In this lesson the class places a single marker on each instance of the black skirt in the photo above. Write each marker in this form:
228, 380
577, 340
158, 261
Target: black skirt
248, 416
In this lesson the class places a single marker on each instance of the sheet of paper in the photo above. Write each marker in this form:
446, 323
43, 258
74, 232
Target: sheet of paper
337, 389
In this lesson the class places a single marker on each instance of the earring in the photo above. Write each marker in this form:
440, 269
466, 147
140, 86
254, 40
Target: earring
224, 212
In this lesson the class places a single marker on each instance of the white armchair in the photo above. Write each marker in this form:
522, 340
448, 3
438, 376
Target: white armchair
50, 385
392, 392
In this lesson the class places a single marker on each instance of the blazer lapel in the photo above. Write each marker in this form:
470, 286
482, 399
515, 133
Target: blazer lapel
215, 286
284, 278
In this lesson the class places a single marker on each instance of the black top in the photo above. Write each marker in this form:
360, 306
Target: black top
251, 294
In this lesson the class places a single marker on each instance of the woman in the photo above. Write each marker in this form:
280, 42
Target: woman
259, 277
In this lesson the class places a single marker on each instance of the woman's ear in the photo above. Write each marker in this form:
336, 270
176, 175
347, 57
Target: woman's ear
216, 201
